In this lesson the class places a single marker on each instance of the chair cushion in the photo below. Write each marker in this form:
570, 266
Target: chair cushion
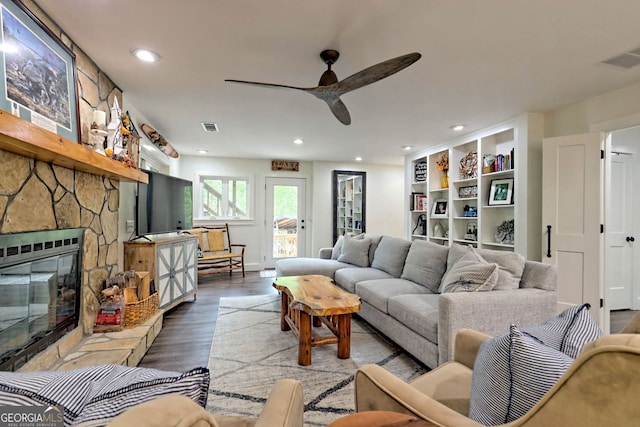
425, 264
355, 251
390, 255
470, 273
511, 374
569, 331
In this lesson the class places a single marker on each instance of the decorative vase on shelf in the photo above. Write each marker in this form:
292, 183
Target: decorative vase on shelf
444, 179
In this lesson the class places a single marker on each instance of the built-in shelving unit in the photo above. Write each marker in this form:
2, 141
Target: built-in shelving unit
467, 210
21, 137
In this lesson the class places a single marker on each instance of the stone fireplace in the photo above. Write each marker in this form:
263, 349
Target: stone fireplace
35, 195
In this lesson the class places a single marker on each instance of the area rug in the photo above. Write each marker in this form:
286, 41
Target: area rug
249, 353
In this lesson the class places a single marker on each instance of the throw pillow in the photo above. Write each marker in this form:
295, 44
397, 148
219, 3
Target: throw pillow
390, 255
471, 273
337, 248
425, 264
511, 374
129, 387
99, 392
510, 267
569, 331
355, 251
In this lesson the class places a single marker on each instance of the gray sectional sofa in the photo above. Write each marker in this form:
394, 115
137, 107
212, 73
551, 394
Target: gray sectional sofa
419, 294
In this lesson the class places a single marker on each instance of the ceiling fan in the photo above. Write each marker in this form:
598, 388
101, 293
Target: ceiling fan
329, 89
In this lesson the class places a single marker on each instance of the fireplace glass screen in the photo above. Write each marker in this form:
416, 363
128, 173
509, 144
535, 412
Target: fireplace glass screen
39, 289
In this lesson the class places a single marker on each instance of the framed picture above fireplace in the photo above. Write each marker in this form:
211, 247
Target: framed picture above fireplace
38, 73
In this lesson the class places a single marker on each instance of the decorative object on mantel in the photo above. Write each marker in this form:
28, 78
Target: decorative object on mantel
40, 75
114, 138
505, 232
443, 165
159, 141
469, 165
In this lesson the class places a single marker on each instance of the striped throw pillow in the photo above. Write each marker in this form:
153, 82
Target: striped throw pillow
569, 331
96, 394
511, 374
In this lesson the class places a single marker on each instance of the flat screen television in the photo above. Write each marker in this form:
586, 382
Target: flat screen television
164, 205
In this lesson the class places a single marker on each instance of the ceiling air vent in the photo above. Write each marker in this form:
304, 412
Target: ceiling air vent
210, 127
626, 60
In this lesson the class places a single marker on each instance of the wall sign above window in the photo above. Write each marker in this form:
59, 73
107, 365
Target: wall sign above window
285, 165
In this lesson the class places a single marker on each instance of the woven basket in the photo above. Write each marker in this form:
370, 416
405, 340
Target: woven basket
135, 313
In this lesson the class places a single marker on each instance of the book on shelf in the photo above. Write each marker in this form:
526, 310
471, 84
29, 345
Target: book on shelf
419, 202
412, 200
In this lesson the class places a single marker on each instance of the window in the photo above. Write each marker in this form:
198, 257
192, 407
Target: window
224, 197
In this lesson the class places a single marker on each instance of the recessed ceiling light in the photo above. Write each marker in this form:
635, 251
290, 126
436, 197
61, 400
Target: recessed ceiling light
298, 141
457, 128
406, 147
145, 55
358, 159
203, 151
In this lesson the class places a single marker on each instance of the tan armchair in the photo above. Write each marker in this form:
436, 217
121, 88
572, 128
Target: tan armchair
284, 408
599, 389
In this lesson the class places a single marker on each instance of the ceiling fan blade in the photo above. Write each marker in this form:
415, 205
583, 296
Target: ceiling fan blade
374, 73
271, 85
340, 111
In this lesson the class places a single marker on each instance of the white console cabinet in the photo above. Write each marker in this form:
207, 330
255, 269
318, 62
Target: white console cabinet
171, 261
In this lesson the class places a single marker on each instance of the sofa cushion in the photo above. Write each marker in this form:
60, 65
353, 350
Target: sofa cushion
471, 273
511, 374
375, 241
355, 251
390, 255
377, 292
510, 264
96, 394
569, 331
417, 312
304, 266
425, 264
348, 277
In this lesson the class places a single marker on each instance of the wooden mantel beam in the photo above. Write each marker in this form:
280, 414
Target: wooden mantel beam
21, 137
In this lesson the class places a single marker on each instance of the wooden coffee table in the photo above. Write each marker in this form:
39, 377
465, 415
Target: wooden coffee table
314, 300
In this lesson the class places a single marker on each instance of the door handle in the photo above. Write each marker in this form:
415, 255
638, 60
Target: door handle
630, 239
548, 241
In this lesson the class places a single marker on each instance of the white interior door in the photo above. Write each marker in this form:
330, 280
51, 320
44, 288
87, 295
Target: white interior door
285, 227
619, 228
572, 215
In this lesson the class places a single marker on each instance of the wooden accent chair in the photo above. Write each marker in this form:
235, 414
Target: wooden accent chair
217, 250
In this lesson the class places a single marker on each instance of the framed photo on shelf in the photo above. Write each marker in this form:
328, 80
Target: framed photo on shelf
501, 192
440, 208
38, 75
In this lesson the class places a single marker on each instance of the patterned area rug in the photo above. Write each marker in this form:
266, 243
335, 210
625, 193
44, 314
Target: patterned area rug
249, 354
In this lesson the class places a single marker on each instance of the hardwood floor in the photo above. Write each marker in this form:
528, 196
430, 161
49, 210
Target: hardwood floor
185, 339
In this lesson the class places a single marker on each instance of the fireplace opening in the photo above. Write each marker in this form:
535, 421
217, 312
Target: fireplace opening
40, 286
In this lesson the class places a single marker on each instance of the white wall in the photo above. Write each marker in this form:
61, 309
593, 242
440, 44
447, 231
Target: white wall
385, 200
609, 111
